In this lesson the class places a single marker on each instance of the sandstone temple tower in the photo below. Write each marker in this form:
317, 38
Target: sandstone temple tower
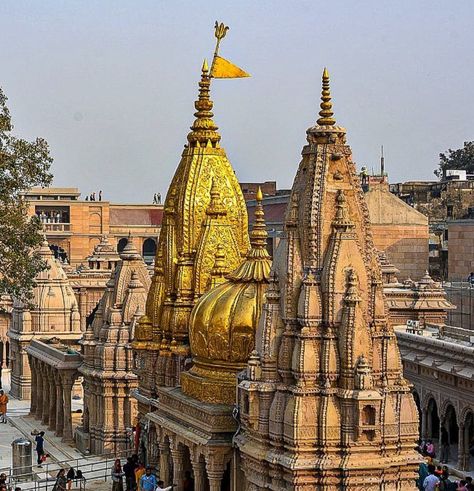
204, 217
53, 313
108, 379
323, 402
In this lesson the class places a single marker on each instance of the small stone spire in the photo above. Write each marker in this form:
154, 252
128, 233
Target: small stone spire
341, 220
258, 235
204, 130
326, 113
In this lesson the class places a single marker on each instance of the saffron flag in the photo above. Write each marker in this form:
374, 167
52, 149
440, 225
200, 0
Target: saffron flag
222, 68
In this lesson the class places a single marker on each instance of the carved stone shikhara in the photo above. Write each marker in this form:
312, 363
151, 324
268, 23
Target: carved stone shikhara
323, 403
107, 368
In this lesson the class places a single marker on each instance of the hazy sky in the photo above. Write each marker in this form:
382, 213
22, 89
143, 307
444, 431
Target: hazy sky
111, 84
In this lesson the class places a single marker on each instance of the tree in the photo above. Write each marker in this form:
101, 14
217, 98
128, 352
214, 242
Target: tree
23, 165
461, 159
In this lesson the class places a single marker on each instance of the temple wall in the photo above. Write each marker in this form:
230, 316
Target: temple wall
400, 231
461, 249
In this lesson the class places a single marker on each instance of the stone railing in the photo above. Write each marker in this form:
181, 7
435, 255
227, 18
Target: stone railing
57, 227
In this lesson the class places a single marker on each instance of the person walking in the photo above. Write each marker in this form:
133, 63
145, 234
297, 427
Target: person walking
117, 474
431, 481
39, 439
3, 407
129, 470
70, 476
148, 481
61, 481
139, 471
470, 278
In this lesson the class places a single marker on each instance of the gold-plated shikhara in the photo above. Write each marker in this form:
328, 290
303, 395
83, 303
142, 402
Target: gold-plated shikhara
204, 230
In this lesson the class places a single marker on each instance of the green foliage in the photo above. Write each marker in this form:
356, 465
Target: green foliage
461, 159
23, 165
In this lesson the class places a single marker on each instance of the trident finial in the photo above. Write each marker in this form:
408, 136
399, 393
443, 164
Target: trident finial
221, 30
326, 113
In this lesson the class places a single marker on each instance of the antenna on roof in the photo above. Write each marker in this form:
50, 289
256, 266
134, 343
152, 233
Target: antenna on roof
382, 162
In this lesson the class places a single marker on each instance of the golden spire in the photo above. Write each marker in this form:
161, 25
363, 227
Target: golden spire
258, 235
326, 113
204, 130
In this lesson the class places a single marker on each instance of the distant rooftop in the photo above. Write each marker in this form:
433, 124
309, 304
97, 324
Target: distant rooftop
53, 193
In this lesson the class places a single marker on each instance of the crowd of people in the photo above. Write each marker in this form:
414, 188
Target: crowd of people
438, 478
141, 478
92, 196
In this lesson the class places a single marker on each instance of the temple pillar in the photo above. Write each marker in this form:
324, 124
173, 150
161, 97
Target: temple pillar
34, 386
215, 472
45, 412
178, 469
82, 301
67, 383
86, 412
164, 462
39, 390
59, 404
215, 480
199, 469
462, 448
424, 424
52, 400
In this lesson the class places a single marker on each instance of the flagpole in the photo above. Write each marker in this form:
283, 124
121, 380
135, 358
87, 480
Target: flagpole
219, 32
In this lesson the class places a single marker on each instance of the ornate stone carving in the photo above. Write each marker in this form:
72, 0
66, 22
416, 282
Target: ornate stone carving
335, 393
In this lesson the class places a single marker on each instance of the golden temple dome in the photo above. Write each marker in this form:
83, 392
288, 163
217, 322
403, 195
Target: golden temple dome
224, 320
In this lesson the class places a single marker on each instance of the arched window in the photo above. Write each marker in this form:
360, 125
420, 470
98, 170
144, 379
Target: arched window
121, 245
149, 250
368, 416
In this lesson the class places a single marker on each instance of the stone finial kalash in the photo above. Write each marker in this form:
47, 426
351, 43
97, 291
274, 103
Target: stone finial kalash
323, 403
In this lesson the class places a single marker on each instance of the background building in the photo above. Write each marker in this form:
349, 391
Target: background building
397, 228
460, 243
74, 226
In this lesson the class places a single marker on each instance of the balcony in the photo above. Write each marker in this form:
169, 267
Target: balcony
57, 228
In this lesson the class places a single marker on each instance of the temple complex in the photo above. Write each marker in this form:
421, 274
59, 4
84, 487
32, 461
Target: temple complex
54, 313
109, 411
323, 403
